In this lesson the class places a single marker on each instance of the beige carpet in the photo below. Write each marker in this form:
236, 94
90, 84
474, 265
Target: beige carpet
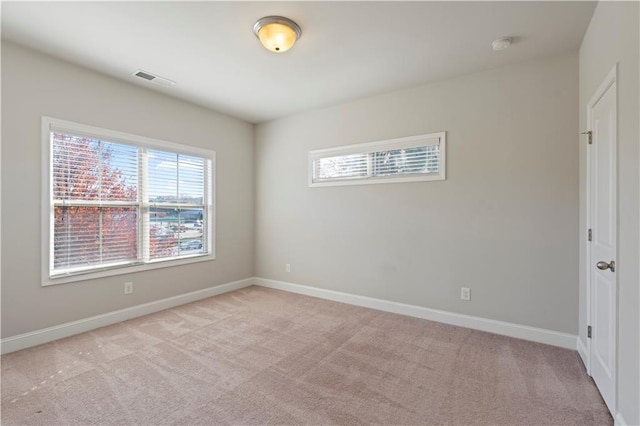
261, 356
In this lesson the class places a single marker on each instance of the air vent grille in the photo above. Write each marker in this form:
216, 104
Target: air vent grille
144, 75
155, 79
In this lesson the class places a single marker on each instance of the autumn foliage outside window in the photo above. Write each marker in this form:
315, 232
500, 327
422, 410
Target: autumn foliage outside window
95, 202
118, 204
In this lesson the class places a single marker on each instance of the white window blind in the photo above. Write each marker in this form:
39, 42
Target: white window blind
118, 201
414, 158
176, 194
95, 202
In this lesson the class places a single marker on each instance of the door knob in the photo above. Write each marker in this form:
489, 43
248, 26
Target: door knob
602, 265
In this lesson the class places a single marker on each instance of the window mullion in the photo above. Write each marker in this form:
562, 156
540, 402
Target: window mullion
68, 236
100, 247
206, 201
143, 201
178, 201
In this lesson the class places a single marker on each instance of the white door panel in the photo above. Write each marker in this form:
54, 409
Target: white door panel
603, 325
602, 213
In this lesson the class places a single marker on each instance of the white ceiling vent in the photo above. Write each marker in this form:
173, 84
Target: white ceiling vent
155, 79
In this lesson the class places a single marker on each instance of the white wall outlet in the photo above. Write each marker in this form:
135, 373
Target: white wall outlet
287, 267
128, 288
465, 293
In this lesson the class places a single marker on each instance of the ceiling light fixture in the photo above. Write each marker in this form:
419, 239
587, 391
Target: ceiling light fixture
277, 33
501, 43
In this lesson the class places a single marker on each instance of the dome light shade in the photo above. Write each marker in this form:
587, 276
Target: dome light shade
277, 33
501, 43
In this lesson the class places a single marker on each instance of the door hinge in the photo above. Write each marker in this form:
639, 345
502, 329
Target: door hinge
589, 235
589, 331
590, 134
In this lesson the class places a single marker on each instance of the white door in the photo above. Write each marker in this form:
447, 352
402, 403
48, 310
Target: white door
603, 224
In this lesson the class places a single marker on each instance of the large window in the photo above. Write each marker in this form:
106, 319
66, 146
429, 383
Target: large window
115, 202
414, 158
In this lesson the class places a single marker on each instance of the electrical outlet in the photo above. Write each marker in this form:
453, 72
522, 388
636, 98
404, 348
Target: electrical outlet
128, 288
287, 267
465, 293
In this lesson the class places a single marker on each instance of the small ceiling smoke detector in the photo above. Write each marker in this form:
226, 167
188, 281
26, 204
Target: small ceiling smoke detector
155, 79
501, 43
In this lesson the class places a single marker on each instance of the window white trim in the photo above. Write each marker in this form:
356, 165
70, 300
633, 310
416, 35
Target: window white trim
429, 139
49, 124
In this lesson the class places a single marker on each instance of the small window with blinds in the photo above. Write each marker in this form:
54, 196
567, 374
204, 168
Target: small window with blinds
120, 203
408, 159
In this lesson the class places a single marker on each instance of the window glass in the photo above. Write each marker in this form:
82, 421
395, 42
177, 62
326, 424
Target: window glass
407, 159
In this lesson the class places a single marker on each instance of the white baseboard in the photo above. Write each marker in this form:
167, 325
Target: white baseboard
618, 420
584, 354
549, 337
45, 335
38, 337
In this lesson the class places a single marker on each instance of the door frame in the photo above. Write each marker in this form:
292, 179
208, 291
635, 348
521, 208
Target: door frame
608, 81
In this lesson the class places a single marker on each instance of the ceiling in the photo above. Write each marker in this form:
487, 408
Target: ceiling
348, 50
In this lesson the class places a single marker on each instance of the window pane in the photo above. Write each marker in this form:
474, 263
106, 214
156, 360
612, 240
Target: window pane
119, 172
90, 169
191, 182
76, 236
175, 232
119, 234
422, 159
163, 176
85, 236
176, 178
75, 167
344, 166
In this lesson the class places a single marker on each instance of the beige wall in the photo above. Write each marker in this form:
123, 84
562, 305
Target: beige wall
504, 223
612, 37
34, 85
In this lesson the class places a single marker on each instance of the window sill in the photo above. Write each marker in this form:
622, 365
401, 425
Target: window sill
377, 180
123, 270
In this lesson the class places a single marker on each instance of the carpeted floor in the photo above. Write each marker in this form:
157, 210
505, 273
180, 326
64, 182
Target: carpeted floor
261, 356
